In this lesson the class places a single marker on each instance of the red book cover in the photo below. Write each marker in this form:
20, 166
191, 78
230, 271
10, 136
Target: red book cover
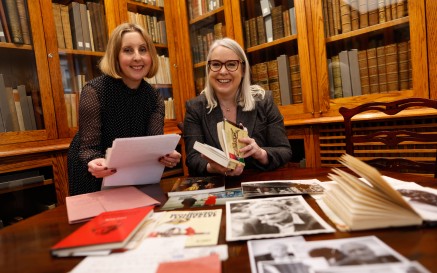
109, 230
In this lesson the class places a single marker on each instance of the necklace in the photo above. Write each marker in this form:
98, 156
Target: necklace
227, 109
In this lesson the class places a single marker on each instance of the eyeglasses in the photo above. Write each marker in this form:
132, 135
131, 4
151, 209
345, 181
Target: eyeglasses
231, 65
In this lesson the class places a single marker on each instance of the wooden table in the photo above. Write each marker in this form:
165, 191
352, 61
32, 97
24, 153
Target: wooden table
25, 245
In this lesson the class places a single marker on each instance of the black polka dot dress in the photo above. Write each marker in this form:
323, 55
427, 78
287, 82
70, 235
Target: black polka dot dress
108, 110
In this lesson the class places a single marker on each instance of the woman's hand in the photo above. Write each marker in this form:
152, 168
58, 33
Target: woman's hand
252, 149
98, 168
170, 160
213, 167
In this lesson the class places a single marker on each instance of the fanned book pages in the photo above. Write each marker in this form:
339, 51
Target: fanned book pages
136, 159
367, 203
228, 134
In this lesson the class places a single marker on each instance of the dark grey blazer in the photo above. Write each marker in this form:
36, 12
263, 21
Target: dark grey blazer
265, 124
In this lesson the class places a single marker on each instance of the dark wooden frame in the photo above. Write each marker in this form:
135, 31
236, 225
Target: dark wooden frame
390, 138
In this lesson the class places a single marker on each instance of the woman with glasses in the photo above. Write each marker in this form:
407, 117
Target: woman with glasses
229, 95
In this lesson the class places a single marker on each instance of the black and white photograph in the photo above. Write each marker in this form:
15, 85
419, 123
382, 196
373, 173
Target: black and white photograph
272, 217
411, 267
281, 187
277, 250
349, 252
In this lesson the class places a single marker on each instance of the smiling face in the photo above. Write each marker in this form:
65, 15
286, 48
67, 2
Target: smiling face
271, 214
134, 58
224, 82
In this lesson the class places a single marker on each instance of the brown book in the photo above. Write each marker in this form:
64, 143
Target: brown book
287, 25
337, 16
261, 29
296, 87
372, 7
331, 24
27, 117
336, 75
345, 15
273, 74
403, 65
24, 20
394, 9
364, 15
253, 32
76, 25
103, 27
66, 27
364, 72
247, 34
355, 15
254, 74
382, 69
391, 58
388, 15
277, 23
94, 26
325, 18
13, 21
401, 10
4, 23
263, 78
372, 65
58, 24
381, 11
218, 31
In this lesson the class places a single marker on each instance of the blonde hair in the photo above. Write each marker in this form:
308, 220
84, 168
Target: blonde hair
110, 65
246, 94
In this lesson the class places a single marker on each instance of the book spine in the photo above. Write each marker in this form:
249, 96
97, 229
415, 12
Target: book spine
18, 109
388, 15
284, 79
345, 74
58, 24
15, 126
85, 27
273, 74
76, 25
364, 72
24, 107
261, 29
14, 21
355, 15
382, 70
296, 87
22, 15
372, 65
5, 23
253, 34
391, 57
345, 16
336, 74
381, 11
354, 69
330, 8
4, 107
364, 14
277, 22
65, 19
372, 7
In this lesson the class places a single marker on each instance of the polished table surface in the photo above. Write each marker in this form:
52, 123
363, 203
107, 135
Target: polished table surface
25, 245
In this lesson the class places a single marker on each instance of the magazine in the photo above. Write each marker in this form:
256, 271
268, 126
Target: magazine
272, 217
196, 185
280, 187
203, 199
201, 226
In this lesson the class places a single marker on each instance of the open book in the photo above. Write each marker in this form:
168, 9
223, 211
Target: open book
136, 159
228, 134
367, 203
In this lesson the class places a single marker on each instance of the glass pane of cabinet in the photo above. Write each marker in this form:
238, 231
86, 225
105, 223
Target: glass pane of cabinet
152, 18
207, 23
368, 47
270, 37
24, 85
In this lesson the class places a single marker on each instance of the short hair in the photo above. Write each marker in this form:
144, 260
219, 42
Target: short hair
246, 94
110, 64
256, 205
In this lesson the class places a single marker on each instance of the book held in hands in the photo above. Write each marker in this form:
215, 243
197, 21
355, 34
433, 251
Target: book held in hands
228, 135
109, 231
368, 202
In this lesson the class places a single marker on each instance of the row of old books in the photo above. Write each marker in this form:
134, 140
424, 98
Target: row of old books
163, 76
71, 97
152, 24
17, 109
341, 16
282, 77
197, 8
14, 22
374, 70
81, 26
269, 27
203, 39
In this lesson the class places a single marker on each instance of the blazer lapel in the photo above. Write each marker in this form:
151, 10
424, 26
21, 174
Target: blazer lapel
247, 118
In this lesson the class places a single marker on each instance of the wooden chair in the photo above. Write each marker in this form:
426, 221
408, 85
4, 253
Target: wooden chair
391, 138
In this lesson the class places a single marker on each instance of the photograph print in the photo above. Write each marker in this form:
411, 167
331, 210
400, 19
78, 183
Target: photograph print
281, 187
272, 217
270, 251
348, 253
